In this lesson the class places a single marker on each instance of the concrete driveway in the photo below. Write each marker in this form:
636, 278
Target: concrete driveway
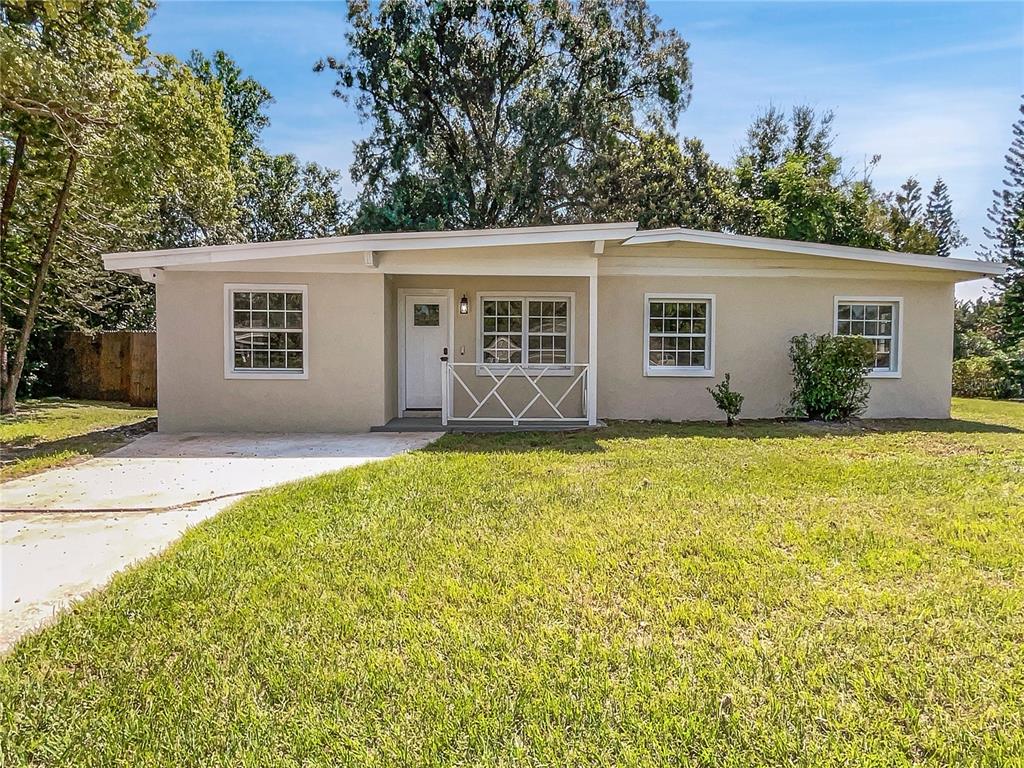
65, 532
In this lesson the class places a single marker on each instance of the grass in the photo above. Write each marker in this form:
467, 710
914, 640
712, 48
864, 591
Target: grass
47, 433
774, 594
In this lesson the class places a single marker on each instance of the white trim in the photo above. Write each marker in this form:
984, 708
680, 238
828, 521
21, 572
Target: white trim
708, 371
621, 235
532, 376
551, 369
592, 353
674, 266
877, 373
432, 293
229, 336
390, 241
681, 234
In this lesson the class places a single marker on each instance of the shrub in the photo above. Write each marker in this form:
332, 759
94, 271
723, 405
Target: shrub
829, 376
727, 400
998, 375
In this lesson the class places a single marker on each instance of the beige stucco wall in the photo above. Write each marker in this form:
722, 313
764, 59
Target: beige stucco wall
353, 343
755, 319
345, 345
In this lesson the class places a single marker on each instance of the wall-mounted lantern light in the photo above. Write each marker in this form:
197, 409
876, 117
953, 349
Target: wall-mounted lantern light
464, 305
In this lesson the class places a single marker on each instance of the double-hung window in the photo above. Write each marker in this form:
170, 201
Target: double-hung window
266, 332
679, 335
532, 331
878, 321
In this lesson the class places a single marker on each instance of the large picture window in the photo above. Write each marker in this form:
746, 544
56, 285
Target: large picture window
678, 335
525, 330
266, 331
878, 321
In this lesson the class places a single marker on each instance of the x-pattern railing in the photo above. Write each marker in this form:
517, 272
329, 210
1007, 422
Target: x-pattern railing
532, 375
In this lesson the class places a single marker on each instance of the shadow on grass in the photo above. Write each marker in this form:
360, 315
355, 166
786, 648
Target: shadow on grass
23, 448
46, 404
29, 411
589, 440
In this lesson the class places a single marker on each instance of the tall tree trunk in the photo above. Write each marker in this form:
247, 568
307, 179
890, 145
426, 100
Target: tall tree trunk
8, 401
11, 188
5, 216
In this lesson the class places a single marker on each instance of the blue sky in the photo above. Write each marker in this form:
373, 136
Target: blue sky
931, 87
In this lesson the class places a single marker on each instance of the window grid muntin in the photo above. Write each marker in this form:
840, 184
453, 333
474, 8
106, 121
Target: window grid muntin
877, 322
547, 322
267, 331
677, 333
537, 327
502, 324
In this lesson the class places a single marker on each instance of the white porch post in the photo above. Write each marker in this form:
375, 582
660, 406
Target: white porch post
592, 352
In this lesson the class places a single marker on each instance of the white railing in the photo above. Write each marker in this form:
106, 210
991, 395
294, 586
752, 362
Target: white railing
529, 378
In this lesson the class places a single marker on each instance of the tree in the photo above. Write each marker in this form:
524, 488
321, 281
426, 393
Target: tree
939, 220
908, 230
490, 114
105, 130
277, 197
1006, 235
244, 100
976, 328
286, 200
654, 180
787, 183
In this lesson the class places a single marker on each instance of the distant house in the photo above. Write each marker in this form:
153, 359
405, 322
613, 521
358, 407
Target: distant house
531, 325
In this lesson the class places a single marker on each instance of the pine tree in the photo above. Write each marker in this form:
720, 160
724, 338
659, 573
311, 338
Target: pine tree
908, 229
1006, 235
939, 219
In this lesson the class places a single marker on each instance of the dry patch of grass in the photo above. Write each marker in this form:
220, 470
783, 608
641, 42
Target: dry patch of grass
643, 595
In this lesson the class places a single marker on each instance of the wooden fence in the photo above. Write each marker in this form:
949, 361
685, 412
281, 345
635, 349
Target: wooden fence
114, 365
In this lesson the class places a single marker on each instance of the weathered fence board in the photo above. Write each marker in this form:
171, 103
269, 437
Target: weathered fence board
114, 365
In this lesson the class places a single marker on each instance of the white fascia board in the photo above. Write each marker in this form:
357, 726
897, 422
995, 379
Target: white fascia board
392, 241
968, 266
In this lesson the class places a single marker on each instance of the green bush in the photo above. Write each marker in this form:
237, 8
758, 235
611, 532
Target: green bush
829, 376
727, 400
999, 375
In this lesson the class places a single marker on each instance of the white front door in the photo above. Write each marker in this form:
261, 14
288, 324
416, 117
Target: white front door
426, 340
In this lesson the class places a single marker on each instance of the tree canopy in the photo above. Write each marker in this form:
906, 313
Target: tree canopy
97, 147
96, 130
497, 113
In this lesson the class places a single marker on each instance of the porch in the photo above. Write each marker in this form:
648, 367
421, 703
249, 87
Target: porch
492, 352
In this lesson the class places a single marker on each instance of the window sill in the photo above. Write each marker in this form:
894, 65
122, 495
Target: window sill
885, 375
692, 373
266, 376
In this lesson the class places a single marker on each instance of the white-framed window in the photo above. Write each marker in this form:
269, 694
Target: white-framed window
679, 334
878, 319
265, 334
532, 330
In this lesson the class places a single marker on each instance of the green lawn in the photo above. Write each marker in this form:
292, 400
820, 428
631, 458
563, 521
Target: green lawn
775, 594
46, 433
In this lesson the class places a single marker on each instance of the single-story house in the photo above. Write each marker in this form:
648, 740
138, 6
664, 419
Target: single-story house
530, 325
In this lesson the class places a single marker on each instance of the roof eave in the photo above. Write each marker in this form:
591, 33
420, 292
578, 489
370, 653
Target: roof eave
974, 269
392, 241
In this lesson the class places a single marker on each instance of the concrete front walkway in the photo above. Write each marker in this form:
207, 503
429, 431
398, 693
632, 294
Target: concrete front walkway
65, 532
